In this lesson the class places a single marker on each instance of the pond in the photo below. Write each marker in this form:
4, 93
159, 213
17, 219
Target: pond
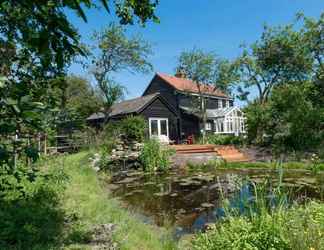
188, 200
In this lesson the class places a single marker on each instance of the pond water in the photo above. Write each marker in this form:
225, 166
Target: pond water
188, 200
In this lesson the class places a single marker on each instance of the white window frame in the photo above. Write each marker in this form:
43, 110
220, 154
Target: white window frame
208, 126
159, 125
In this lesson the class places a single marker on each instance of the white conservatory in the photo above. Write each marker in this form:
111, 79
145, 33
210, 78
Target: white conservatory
228, 120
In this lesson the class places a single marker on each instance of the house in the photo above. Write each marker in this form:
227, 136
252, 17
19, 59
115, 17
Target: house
169, 104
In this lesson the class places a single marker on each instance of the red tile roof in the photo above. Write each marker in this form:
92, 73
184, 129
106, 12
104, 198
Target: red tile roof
187, 85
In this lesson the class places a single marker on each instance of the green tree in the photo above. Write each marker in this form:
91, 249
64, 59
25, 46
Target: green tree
205, 69
81, 97
37, 43
278, 57
118, 52
313, 41
295, 122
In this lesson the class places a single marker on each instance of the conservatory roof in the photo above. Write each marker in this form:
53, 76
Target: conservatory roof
213, 113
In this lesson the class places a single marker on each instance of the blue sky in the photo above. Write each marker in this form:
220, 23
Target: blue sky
219, 26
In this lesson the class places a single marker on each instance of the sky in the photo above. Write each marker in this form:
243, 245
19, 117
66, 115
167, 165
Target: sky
218, 26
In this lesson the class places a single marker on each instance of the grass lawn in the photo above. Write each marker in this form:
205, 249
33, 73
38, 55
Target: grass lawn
87, 198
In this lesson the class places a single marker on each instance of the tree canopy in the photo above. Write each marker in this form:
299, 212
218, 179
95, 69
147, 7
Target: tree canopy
37, 44
117, 52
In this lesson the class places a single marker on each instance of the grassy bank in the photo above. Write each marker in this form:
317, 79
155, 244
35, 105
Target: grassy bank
272, 165
258, 165
87, 198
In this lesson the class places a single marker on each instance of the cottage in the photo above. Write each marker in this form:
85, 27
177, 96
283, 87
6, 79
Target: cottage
169, 104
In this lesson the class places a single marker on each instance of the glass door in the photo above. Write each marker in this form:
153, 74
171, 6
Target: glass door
158, 127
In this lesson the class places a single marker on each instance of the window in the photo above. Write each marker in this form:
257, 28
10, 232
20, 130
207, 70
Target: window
154, 127
224, 104
164, 127
219, 104
208, 126
158, 127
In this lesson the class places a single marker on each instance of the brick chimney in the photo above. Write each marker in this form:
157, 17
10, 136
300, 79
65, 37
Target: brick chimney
180, 73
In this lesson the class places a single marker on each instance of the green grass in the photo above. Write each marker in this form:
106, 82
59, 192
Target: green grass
250, 165
266, 165
87, 198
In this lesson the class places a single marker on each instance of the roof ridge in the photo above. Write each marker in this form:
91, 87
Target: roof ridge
186, 84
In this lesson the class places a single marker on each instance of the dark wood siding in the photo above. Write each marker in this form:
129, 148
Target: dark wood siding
190, 126
190, 100
158, 109
166, 91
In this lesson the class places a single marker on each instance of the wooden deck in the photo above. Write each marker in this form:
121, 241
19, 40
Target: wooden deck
228, 153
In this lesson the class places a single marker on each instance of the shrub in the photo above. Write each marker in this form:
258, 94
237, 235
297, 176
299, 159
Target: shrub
224, 139
133, 127
30, 212
155, 157
266, 223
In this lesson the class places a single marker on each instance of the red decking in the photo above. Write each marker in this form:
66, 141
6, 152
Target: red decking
228, 153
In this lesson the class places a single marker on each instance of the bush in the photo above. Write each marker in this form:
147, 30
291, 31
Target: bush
133, 127
155, 157
30, 212
266, 224
224, 139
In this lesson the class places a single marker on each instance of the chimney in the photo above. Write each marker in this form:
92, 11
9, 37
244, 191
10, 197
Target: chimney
180, 73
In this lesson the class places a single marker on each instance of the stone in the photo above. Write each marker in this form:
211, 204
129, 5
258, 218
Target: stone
161, 194
127, 180
207, 205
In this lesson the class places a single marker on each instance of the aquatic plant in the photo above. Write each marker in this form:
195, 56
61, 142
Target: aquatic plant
264, 219
155, 157
315, 163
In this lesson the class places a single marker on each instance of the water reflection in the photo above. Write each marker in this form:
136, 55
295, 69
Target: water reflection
190, 200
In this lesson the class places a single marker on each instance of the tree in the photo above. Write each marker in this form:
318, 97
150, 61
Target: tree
285, 63
37, 43
296, 121
117, 53
205, 69
312, 33
279, 57
81, 97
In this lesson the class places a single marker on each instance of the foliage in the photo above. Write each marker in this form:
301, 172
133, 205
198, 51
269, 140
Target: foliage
285, 67
207, 71
272, 165
277, 58
133, 127
295, 228
91, 204
37, 44
264, 219
224, 139
155, 157
289, 121
257, 118
315, 163
80, 97
295, 123
117, 52
30, 208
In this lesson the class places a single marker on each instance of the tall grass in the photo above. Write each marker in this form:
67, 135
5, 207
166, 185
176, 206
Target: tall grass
88, 199
268, 221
